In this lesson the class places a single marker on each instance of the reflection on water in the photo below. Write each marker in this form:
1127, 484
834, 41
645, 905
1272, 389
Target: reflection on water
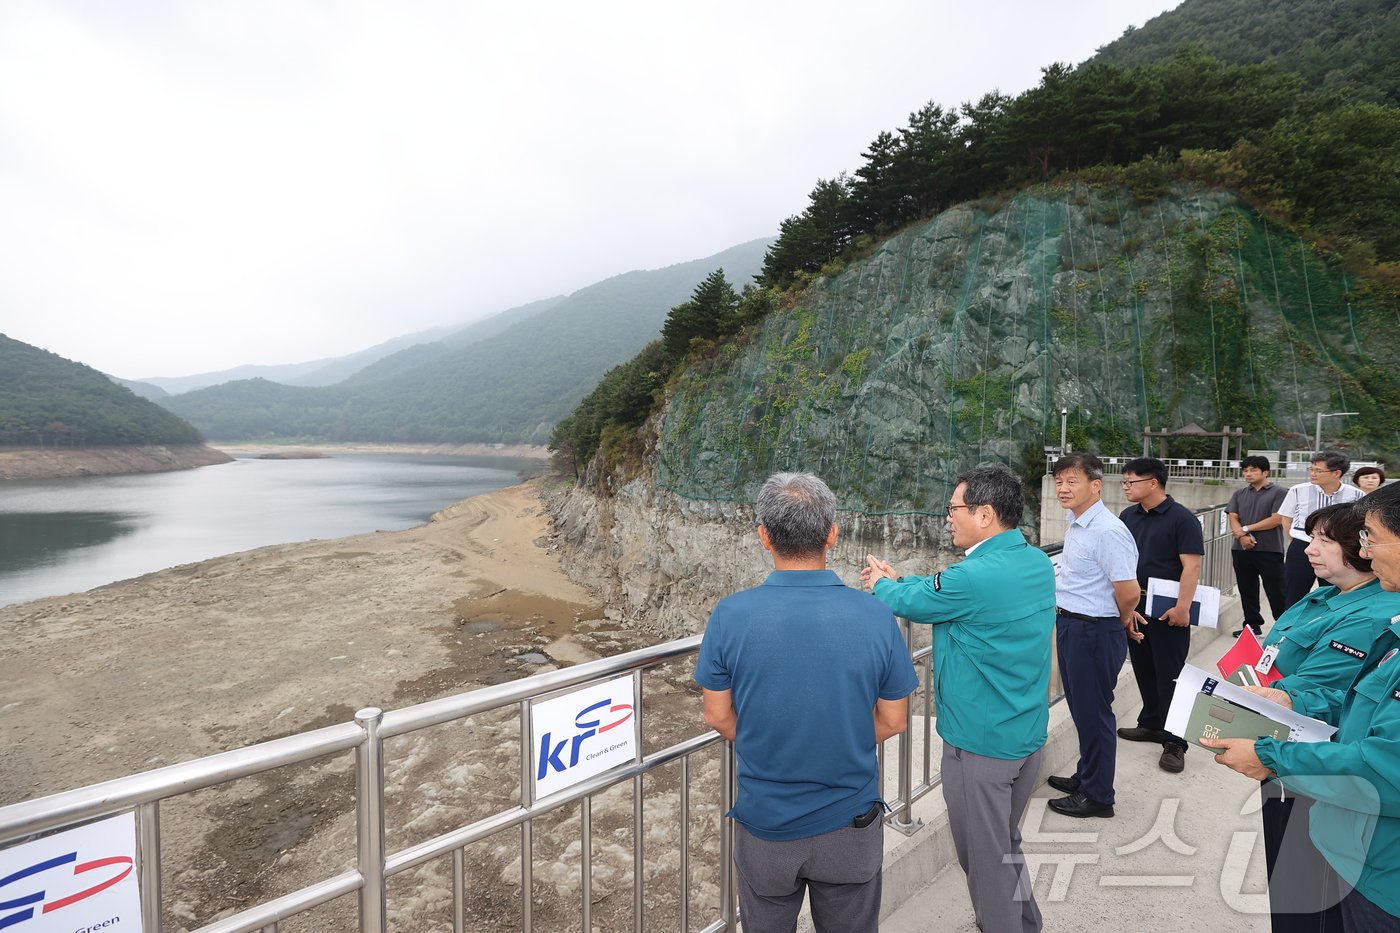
61, 536
33, 539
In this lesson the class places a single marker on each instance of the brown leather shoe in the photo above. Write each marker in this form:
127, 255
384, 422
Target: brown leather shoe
1139, 734
1173, 759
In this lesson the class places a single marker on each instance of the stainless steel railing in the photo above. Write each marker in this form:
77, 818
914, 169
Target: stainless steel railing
144, 793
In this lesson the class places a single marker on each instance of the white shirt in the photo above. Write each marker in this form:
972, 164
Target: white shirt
1306, 498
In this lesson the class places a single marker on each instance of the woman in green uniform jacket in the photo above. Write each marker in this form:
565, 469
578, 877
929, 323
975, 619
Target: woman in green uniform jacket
1319, 645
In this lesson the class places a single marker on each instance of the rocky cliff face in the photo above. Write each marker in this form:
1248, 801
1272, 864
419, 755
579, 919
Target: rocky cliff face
959, 341
660, 561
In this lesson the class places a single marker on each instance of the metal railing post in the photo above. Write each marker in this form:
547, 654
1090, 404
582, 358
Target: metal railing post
638, 826
904, 820
726, 843
148, 849
685, 843
527, 838
586, 864
369, 822
459, 890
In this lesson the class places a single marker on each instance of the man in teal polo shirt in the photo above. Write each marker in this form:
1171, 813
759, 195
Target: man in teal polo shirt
992, 615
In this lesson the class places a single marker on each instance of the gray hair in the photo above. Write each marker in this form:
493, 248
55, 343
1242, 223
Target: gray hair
996, 486
797, 510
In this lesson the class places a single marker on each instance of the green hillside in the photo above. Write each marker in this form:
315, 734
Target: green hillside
1332, 44
510, 386
48, 401
1144, 243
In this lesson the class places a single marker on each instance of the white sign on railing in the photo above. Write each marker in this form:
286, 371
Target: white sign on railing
581, 734
78, 879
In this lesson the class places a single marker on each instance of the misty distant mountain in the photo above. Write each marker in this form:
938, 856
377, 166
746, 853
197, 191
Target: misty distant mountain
474, 385
143, 389
325, 371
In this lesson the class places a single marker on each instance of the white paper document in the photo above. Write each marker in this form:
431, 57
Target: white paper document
1205, 605
1193, 680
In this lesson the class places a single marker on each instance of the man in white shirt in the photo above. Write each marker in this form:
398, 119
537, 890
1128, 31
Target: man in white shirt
1324, 488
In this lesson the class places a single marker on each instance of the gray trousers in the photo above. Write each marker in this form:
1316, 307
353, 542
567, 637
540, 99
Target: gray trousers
986, 799
840, 870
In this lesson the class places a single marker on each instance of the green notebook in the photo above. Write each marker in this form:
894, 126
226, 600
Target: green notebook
1216, 718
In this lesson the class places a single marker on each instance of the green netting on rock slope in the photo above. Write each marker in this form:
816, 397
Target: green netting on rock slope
959, 341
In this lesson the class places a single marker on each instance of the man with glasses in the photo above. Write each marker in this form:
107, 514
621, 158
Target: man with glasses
1355, 778
1170, 545
1324, 488
1257, 551
1096, 595
991, 614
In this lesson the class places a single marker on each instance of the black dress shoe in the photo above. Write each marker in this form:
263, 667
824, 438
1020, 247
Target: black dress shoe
1139, 734
1065, 785
1079, 805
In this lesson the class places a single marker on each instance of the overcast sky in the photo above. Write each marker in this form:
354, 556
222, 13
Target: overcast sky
189, 186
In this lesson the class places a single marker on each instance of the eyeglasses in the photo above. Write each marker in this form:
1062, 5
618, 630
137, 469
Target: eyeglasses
1128, 483
1318, 471
953, 508
1364, 538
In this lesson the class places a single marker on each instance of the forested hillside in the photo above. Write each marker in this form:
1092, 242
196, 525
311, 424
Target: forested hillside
510, 386
1142, 244
48, 401
1330, 44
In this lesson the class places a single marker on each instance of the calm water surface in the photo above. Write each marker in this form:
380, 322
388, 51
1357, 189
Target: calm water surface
65, 535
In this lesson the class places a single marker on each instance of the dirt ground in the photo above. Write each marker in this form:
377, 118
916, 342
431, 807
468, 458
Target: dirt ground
221, 654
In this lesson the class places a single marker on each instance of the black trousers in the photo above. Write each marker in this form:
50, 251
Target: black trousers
1298, 576
1157, 660
1304, 891
1251, 569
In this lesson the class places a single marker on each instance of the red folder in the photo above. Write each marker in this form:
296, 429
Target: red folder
1247, 650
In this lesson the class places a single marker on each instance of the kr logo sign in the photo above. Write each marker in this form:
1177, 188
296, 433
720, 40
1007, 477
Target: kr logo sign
582, 734
79, 879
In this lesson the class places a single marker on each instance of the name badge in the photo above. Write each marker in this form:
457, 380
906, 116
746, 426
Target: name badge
1266, 660
1348, 650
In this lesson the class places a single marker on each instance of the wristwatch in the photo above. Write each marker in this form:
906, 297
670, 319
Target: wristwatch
1244, 528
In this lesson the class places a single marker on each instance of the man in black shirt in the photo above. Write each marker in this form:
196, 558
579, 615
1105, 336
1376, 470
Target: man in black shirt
1170, 545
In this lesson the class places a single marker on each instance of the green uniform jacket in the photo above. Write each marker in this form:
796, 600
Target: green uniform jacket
992, 615
1322, 640
1355, 778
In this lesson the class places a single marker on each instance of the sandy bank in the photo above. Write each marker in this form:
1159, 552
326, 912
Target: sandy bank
51, 462
221, 654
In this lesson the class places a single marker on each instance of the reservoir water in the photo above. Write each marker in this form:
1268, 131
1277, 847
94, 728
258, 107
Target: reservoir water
66, 535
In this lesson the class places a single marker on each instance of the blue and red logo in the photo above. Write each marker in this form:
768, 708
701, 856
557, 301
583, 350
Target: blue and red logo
589, 722
25, 905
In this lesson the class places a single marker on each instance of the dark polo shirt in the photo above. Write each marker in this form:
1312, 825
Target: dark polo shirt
1253, 506
1162, 534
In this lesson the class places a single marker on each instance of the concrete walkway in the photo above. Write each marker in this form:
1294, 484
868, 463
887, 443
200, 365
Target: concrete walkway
1184, 851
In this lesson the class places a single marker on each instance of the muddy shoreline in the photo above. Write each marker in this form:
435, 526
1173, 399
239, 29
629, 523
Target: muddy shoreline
247, 647
56, 462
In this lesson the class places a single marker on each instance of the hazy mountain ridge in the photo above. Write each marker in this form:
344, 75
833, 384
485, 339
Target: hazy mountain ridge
511, 385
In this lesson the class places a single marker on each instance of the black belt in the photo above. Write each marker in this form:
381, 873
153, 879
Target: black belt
1081, 616
869, 816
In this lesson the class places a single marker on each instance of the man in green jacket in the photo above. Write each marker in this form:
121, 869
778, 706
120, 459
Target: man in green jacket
1355, 778
992, 615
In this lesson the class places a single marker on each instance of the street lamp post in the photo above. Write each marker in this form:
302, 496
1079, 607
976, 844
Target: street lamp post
1317, 438
1064, 429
